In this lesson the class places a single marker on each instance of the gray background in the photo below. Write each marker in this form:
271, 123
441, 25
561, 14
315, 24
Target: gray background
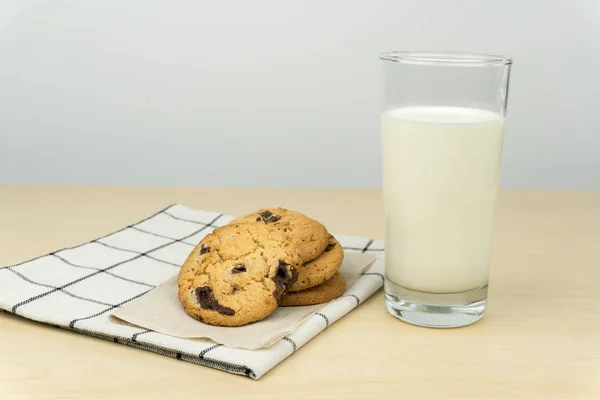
274, 93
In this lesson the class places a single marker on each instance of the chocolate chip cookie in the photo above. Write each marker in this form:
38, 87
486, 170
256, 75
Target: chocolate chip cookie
320, 269
310, 236
238, 274
327, 291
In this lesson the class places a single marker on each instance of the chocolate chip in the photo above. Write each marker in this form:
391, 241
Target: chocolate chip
286, 276
278, 292
204, 249
268, 216
330, 247
238, 269
205, 298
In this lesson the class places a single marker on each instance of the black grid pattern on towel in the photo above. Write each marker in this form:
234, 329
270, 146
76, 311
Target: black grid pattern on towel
137, 287
101, 270
293, 343
165, 351
380, 275
62, 257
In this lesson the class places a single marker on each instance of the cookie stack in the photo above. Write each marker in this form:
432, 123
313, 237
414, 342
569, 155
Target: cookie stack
241, 272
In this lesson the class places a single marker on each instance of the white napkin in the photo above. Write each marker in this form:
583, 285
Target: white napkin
77, 288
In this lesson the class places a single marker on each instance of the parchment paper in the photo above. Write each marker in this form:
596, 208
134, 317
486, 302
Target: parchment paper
161, 311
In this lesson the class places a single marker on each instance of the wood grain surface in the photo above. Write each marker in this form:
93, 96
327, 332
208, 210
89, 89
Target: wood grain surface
540, 338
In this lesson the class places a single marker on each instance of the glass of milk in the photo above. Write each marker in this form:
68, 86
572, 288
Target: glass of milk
442, 132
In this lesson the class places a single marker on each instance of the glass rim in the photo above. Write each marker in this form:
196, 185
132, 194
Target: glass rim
444, 58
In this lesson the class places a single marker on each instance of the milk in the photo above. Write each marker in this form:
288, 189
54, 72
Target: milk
441, 171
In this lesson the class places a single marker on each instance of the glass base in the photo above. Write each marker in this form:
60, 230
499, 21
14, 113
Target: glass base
434, 310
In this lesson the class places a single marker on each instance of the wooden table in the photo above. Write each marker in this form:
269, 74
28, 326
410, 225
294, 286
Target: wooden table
539, 339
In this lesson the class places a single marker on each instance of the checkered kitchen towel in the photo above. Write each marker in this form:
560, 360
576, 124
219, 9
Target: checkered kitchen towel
76, 288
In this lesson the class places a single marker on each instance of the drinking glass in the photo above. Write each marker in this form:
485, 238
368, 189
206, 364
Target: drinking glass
442, 134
